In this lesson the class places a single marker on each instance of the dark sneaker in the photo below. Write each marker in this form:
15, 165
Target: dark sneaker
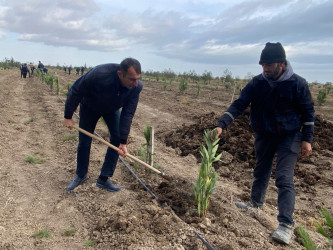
283, 233
245, 205
76, 182
107, 185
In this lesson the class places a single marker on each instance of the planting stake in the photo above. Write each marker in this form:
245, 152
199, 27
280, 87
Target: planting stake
117, 149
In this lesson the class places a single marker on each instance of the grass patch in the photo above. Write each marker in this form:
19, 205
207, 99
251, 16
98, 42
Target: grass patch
103, 121
187, 101
325, 229
33, 159
30, 121
90, 243
42, 154
68, 138
305, 239
70, 231
328, 218
43, 233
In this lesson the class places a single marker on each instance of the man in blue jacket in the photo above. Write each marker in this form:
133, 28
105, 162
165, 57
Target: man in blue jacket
102, 92
282, 117
24, 70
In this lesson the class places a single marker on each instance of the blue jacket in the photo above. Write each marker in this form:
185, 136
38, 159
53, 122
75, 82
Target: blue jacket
277, 107
101, 91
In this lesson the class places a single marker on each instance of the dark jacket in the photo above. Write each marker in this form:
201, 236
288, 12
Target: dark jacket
277, 108
24, 68
101, 91
40, 65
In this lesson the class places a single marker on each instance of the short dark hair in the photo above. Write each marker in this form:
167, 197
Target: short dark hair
129, 62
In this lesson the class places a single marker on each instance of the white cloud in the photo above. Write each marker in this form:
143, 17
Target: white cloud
2, 35
209, 32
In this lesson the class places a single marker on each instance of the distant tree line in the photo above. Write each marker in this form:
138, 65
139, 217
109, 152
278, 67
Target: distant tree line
168, 76
226, 80
206, 77
9, 63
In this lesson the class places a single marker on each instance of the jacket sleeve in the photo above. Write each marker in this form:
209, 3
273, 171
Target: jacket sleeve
127, 114
306, 108
237, 107
76, 93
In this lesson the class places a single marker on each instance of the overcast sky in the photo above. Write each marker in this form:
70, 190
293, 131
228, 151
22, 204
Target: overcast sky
200, 35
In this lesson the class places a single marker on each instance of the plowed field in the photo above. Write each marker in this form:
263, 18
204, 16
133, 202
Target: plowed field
34, 196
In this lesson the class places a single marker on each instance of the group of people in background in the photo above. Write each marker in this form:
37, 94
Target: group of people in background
41, 67
29, 69
25, 70
77, 69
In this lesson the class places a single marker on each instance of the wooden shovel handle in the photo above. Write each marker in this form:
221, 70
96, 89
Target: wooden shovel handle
117, 149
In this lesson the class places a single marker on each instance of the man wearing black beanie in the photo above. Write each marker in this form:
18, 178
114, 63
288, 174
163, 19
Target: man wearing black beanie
282, 118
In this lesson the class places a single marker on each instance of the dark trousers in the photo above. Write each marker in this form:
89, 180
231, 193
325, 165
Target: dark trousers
88, 121
286, 149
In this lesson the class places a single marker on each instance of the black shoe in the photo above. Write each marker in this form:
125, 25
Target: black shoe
107, 185
76, 182
246, 206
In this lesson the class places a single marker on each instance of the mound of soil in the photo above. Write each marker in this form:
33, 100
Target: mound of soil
237, 140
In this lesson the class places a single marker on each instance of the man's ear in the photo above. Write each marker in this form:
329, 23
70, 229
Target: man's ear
120, 74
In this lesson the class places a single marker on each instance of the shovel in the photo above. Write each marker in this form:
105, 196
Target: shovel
117, 149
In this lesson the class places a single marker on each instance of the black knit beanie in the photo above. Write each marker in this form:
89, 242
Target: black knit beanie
272, 53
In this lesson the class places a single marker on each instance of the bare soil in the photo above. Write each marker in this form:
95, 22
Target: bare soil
34, 196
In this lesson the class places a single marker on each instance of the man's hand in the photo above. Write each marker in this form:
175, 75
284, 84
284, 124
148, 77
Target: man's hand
122, 150
218, 133
306, 149
68, 123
